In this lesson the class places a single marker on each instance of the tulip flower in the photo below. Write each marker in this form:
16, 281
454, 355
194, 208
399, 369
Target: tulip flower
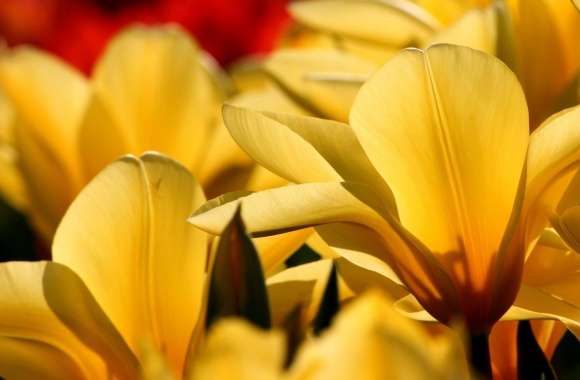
126, 270
151, 90
436, 175
537, 39
369, 340
124, 296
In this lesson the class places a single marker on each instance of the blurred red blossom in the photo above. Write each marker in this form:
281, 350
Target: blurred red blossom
78, 30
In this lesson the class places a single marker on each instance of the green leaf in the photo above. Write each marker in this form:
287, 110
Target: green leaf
532, 363
329, 305
237, 286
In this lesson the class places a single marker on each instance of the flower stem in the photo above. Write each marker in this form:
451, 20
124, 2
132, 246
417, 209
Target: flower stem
479, 354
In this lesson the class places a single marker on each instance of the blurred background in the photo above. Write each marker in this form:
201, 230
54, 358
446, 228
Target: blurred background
78, 30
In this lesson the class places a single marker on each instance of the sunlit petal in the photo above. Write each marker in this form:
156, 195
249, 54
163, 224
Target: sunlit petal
307, 75
394, 23
47, 312
156, 95
226, 354
454, 164
126, 235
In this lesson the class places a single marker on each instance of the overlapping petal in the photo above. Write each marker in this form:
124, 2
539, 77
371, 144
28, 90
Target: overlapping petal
150, 92
49, 313
126, 236
453, 164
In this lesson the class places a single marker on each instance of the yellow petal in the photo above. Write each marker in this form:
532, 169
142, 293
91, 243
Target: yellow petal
503, 350
394, 23
535, 303
553, 161
301, 285
371, 340
552, 275
549, 34
12, 187
224, 158
226, 354
157, 96
154, 364
23, 359
445, 11
274, 250
50, 97
273, 140
289, 208
428, 130
299, 206
48, 313
554, 269
476, 29
361, 272
126, 235
307, 75
548, 334
48, 183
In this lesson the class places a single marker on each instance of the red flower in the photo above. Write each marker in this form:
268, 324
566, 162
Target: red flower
78, 30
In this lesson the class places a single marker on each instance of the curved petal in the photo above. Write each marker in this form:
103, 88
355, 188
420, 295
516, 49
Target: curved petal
393, 23
476, 29
445, 11
503, 350
370, 340
49, 185
274, 140
274, 250
226, 354
223, 153
548, 34
157, 95
302, 285
277, 147
535, 303
307, 76
288, 208
552, 276
427, 127
299, 206
12, 187
48, 312
50, 97
23, 359
361, 272
553, 162
126, 235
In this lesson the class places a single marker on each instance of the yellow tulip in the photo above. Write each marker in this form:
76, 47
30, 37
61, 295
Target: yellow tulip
126, 270
151, 90
469, 191
538, 39
124, 295
369, 340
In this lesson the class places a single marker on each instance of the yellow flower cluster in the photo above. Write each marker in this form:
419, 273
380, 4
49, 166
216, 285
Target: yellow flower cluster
427, 151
